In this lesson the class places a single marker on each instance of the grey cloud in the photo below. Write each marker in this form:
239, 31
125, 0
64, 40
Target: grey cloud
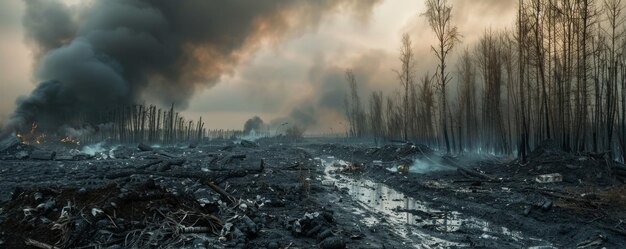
330, 87
48, 25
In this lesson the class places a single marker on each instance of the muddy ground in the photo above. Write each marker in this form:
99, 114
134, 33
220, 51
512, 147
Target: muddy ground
312, 193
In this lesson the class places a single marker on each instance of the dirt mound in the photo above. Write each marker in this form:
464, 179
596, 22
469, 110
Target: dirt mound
579, 167
547, 148
141, 217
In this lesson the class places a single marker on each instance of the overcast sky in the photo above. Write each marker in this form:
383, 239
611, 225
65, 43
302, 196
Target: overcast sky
301, 74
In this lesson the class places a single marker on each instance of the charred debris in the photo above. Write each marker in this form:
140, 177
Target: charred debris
304, 193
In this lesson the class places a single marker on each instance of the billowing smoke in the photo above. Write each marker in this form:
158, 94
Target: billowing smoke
254, 124
107, 53
325, 108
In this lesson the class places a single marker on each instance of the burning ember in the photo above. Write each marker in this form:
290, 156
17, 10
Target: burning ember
31, 137
69, 139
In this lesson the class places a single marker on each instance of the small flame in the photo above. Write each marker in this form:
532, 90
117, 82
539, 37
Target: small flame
69, 139
31, 137
33, 128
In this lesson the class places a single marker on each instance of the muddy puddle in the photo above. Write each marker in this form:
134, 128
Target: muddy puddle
415, 220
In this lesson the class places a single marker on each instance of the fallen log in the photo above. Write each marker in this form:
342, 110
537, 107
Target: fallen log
242, 173
175, 162
42, 155
243, 156
64, 157
166, 154
232, 158
228, 148
191, 175
248, 144
473, 173
144, 147
564, 197
168, 164
147, 165
203, 176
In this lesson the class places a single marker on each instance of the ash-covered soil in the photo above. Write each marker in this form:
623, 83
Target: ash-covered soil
313, 193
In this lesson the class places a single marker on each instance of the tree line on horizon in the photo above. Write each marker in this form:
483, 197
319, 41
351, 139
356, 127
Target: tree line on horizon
559, 73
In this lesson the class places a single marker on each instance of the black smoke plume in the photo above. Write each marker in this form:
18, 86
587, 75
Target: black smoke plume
253, 124
107, 53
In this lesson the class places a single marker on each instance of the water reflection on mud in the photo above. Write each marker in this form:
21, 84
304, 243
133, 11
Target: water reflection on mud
404, 212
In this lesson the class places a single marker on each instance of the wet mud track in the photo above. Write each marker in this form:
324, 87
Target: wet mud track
416, 223
442, 206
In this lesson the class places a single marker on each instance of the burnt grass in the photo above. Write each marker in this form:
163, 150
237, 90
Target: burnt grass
278, 194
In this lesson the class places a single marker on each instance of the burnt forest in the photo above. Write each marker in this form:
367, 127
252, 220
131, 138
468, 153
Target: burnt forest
332, 124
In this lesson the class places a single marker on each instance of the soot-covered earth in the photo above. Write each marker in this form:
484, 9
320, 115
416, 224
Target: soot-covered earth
310, 193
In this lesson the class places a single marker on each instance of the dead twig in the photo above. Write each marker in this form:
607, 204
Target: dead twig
38, 244
225, 196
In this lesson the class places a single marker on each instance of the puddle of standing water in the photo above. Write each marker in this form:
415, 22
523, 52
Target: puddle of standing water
403, 212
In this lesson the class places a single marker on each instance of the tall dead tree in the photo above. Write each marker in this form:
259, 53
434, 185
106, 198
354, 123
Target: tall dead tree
509, 113
427, 110
406, 77
356, 114
615, 19
439, 15
522, 31
538, 18
489, 56
468, 102
376, 115
393, 117
587, 17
